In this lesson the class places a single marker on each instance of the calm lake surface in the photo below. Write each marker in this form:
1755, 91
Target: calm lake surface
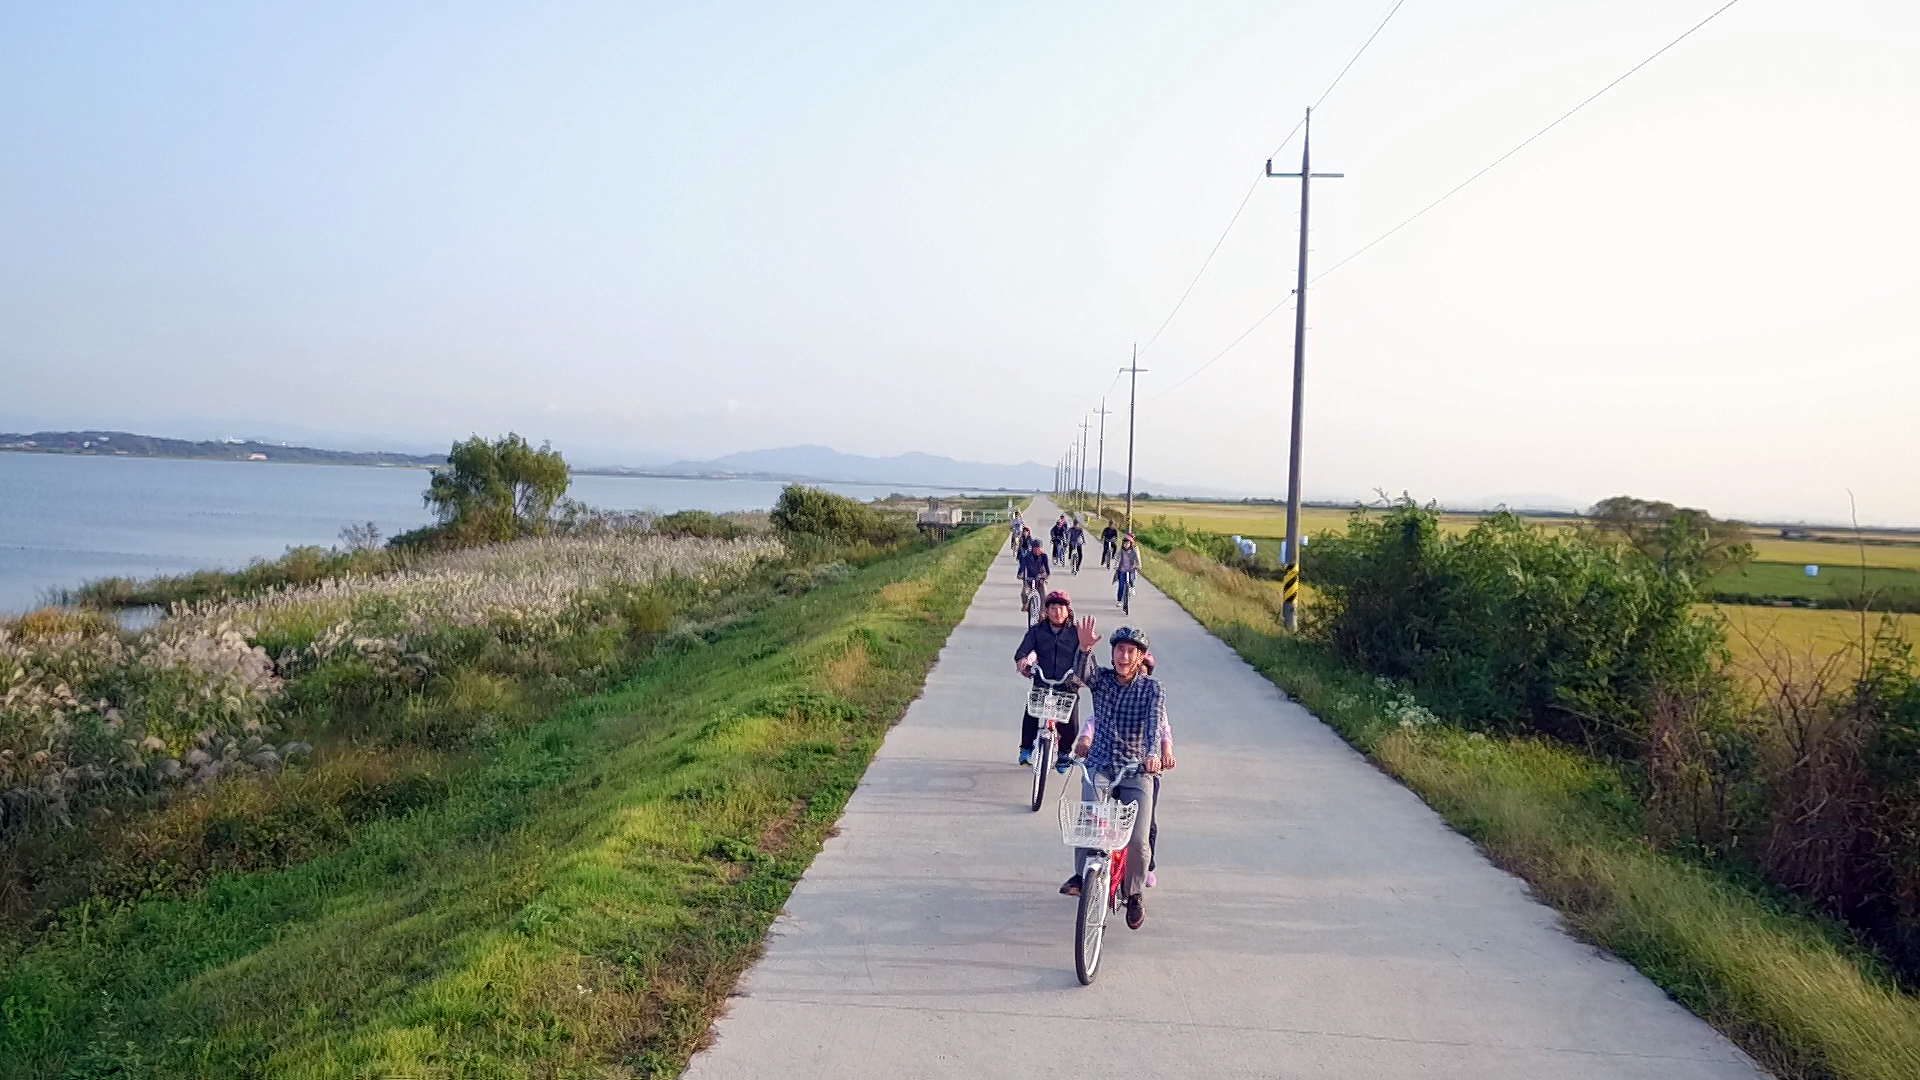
68, 519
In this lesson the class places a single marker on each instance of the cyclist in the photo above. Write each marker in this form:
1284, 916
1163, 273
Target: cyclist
1059, 539
1125, 565
1131, 729
1109, 537
1051, 647
1020, 547
1166, 756
1014, 528
1076, 543
1033, 574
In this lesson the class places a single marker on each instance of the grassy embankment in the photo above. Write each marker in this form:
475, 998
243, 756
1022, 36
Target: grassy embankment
575, 900
1789, 987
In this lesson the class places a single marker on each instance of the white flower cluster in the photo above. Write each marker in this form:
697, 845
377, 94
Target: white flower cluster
85, 711
530, 584
1401, 708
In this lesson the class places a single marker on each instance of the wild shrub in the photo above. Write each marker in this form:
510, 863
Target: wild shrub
834, 519
700, 524
1513, 625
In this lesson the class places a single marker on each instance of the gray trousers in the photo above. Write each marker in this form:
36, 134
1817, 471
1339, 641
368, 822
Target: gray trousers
1137, 789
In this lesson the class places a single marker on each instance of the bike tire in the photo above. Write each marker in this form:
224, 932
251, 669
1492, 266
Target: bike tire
1042, 763
1090, 925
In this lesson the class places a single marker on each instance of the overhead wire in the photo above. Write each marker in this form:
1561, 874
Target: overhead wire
1524, 143
1255, 186
1456, 189
1235, 219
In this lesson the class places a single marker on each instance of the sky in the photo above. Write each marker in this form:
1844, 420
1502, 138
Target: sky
661, 231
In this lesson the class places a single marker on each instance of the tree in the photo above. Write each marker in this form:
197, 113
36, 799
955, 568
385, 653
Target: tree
498, 490
1676, 538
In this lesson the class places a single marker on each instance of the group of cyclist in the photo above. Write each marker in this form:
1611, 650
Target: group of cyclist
1033, 567
1125, 739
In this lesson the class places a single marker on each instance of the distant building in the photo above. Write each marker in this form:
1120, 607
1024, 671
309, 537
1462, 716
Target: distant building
1795, 533
256, 457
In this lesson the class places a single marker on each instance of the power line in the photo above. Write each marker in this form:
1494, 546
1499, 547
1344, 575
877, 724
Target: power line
1248, 197
1244, 334
1343, 71
1457, 188
1524, 143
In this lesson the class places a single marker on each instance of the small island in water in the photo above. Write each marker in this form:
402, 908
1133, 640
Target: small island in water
126, 444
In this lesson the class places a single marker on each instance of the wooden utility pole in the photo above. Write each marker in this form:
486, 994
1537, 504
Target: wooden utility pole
1100, 465
1082, 485
1290, 574
1133, 396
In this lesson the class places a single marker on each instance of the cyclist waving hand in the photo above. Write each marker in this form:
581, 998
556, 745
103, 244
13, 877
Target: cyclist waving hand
1126, 726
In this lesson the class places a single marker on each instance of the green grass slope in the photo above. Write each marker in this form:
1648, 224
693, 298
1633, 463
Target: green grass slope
577, 907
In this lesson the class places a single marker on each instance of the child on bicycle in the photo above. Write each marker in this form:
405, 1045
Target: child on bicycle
1050, 648
1132, 730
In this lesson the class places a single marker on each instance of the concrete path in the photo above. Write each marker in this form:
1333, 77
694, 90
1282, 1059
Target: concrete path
1312, 918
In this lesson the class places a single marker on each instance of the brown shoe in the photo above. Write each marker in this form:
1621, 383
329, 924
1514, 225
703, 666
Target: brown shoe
1071, 887
1136, 911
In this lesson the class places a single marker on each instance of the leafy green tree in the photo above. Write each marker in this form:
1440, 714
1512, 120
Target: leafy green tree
806, 511
499, 490
1678, 539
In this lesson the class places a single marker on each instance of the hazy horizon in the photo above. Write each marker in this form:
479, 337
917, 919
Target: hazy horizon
679, 234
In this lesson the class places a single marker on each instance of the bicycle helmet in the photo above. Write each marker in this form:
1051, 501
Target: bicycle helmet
1127, 635
1058, 597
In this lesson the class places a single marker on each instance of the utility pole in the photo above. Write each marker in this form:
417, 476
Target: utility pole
1100, 466
1133, 396
1290, 574
1084, 425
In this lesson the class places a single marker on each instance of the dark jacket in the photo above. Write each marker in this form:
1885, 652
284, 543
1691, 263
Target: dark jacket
1059, 649
1059, 530
1035, 564
1076, 536
1109, 534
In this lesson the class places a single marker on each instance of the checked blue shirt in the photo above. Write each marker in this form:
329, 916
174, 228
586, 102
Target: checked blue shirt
1131, 715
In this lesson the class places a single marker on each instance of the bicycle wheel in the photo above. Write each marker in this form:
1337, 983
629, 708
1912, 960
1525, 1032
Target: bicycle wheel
1090, 925
1042, 762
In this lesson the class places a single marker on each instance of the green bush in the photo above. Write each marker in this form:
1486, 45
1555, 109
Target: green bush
1512, 625
698, 524
805, 511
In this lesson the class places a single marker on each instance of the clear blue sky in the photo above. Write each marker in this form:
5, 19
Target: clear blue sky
682, 230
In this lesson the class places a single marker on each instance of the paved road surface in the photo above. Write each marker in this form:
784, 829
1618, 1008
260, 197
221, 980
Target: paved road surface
1312, 918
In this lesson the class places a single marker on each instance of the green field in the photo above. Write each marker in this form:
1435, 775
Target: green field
1832, 583
1893, 551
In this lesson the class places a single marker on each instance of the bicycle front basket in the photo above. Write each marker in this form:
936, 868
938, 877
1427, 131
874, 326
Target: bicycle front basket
1055, 705
1106, 824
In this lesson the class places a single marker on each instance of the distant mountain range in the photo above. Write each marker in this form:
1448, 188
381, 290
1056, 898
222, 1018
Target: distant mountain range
822, 464
805, 464
126, 444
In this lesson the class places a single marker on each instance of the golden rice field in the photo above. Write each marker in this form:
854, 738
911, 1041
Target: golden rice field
1796, 641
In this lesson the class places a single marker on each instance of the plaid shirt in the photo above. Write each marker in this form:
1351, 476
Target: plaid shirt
1132, 715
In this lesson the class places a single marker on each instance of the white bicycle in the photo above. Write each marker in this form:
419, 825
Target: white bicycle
1051, 706
1105, 825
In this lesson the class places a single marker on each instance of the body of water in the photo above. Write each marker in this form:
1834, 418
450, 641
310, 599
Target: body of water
68, 519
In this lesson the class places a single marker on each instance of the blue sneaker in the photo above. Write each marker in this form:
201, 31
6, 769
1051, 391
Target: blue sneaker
1026, 757
1064, 765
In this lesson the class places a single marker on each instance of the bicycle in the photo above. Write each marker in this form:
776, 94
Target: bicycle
1105, 825
1106, 553
1050, 705
1126, 598
1031, 592
1074, 555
